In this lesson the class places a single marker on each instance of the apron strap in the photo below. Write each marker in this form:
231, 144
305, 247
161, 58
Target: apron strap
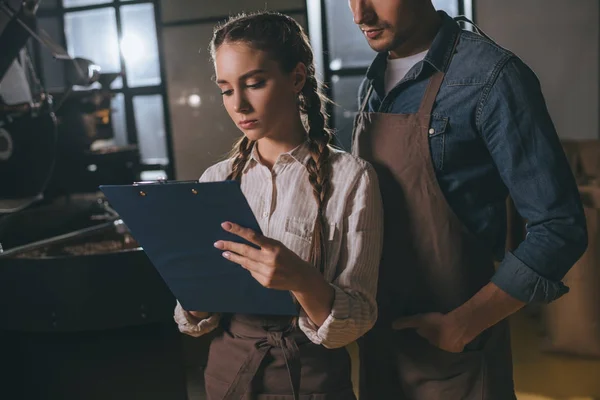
247, 372
366, 99
291, 355
433, 87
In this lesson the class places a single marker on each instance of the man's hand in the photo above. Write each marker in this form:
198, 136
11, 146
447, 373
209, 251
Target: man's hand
441, 330
453, 331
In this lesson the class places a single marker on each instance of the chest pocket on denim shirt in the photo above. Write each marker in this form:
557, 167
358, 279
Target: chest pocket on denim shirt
437, 140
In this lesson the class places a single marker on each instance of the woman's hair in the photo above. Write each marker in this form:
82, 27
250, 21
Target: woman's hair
284, 40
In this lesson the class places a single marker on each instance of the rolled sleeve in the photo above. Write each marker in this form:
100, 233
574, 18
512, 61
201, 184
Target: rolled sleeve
191, 326
521, 138
354, 309
337, 321
523, 283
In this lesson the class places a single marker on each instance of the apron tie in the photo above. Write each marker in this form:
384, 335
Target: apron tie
251, 364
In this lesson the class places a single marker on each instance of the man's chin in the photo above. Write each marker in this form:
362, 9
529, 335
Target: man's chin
379, 46
381, 43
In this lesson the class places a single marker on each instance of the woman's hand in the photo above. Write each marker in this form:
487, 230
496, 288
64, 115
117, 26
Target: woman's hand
276, 267
194, 323
273, 265
199, 314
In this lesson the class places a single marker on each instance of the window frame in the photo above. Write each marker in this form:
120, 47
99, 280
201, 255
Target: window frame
59, 12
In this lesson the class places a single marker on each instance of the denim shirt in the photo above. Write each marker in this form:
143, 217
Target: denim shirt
490, 136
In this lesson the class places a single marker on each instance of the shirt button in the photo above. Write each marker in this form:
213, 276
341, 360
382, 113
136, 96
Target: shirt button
431, 131
265, 214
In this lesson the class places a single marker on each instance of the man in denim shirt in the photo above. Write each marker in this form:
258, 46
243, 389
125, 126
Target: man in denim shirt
454, 123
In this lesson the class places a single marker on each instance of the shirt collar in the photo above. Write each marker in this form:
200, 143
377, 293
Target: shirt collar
438, 55
300, 154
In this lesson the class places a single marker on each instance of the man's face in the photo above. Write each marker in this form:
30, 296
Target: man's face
386, 23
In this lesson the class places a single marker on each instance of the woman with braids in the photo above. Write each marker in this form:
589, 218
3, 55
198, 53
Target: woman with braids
319, 209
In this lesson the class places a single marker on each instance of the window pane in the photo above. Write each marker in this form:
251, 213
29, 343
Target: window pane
53, 70
347, 45
119, 120
81, 3
202, 132
150, 124
15, 86
117, 83
176, 10
139, 45
450, 6
152, 175
48, 4
345, 95
93, 35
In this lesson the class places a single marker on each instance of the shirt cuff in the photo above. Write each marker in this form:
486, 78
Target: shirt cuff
187, 324
331, 333
523, 283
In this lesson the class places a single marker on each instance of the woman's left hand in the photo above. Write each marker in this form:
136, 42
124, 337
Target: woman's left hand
273, 265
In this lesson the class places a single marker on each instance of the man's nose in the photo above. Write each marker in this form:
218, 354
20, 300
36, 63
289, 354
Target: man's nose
361, 11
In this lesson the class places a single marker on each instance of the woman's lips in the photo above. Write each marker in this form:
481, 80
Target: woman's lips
247, 124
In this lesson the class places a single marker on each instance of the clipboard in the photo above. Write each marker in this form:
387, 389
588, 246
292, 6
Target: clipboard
177, 224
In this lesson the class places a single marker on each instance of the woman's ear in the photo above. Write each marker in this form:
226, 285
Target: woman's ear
299, 77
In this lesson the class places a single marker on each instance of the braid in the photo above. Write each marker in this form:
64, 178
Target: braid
285, 41
240, 156
318, 165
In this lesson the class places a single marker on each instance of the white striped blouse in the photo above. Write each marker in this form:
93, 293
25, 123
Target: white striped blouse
283, 203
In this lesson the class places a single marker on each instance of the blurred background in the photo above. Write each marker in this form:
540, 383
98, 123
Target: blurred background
115, 91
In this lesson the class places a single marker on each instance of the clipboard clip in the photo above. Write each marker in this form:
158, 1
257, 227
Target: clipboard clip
161, 182
156, 182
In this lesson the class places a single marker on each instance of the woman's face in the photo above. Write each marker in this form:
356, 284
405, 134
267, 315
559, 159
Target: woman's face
259, 97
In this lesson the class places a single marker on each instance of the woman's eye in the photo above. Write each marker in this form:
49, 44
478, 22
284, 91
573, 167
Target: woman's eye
227, 92
257, 85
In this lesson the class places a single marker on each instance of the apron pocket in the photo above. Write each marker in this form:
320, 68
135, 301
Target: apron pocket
424, 361
347, 394
479, 343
